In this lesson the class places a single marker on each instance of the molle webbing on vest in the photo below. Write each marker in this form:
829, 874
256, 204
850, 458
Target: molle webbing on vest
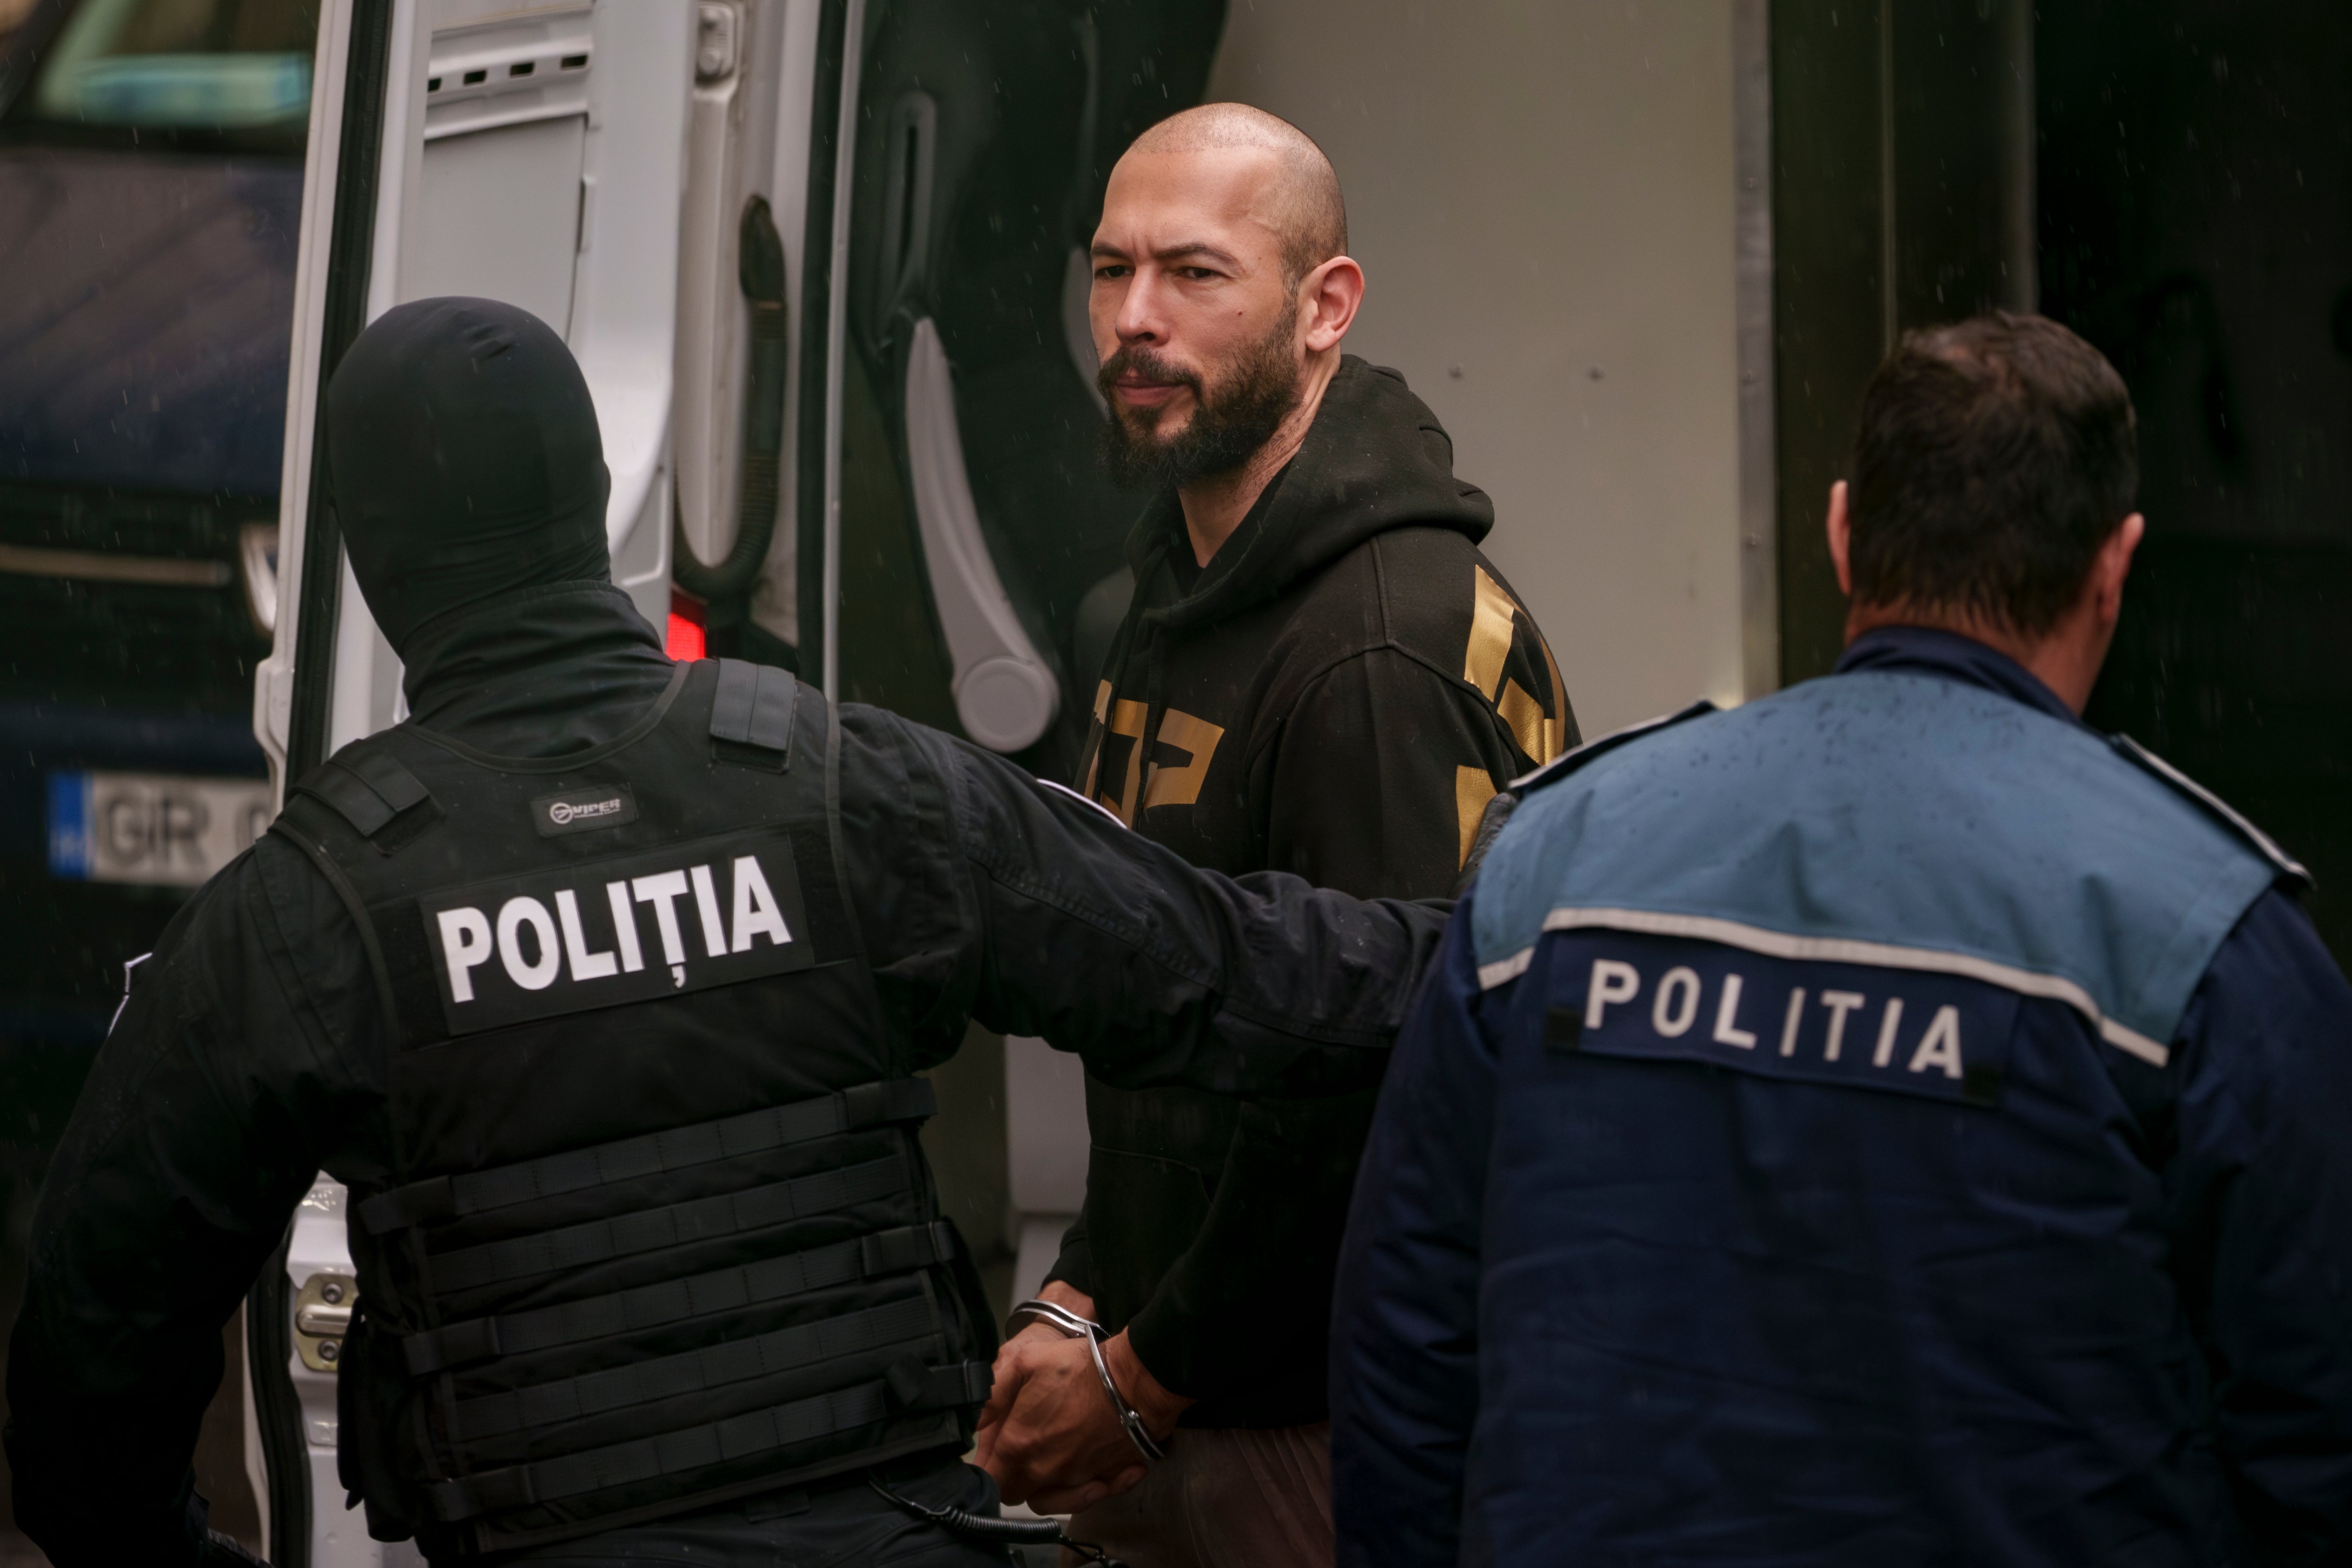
366, 786
906, 1322
674, 1225
453, 1196
752, 714
907, 1388
717, 1294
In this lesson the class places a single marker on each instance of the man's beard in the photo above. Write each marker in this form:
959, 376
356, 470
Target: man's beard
1227, 427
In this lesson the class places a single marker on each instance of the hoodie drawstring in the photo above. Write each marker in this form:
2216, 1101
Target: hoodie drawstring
1153, 640
1139, 635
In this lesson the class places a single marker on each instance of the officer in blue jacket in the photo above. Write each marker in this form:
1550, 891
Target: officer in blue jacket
1888, 1123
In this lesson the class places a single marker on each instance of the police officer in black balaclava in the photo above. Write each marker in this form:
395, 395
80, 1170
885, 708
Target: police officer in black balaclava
466, 461
602, 982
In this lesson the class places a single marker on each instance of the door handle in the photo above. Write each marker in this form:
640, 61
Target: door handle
1005, 695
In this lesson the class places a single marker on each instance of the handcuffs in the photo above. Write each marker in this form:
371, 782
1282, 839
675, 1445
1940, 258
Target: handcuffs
1069, 1325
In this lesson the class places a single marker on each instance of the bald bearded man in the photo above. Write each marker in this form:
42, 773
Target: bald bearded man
1318, 672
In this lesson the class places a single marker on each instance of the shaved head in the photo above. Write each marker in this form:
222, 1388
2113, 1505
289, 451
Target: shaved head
1307, 210
1221, 288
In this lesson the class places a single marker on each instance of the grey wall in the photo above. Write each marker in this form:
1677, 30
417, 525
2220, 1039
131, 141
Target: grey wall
1541, 195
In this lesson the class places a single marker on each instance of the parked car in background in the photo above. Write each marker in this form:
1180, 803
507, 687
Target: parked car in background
151, 178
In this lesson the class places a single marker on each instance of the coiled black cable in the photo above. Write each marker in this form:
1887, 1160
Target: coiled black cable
1006, 1532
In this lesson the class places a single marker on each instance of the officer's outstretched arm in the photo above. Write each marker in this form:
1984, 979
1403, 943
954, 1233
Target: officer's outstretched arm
170, 1189
1108, 944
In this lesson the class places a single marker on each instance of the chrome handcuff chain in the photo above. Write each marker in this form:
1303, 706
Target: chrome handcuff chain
1069, 1325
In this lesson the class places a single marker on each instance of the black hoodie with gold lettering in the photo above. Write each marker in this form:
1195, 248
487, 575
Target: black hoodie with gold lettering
1337, 693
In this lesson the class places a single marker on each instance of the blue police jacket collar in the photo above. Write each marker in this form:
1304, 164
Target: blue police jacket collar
1930, 651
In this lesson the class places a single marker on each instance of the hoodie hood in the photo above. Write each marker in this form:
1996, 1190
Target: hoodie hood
1374, 459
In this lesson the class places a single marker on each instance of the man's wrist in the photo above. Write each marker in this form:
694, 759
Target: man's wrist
1061, 1293
1158, 1405
1068, 1298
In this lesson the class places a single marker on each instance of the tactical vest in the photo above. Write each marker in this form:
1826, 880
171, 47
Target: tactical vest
661, 1232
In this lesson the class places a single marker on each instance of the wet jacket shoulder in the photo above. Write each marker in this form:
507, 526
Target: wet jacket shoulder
1413, 647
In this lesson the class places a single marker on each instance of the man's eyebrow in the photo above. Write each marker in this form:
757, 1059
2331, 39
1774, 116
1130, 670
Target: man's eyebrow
1199, 249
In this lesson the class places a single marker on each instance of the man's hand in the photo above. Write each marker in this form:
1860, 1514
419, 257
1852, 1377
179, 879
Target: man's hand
1049, 1435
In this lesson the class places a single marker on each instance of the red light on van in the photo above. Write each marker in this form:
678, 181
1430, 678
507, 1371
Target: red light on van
686, 641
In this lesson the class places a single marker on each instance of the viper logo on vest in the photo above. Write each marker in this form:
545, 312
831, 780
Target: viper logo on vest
606, 806
1852, 1025
608, 932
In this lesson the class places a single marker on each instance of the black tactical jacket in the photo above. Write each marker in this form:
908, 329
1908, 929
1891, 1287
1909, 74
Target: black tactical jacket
252, 1052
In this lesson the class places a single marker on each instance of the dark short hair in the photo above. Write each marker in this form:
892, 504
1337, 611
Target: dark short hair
1995, 457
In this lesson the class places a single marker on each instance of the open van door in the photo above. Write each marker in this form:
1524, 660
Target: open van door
971, 555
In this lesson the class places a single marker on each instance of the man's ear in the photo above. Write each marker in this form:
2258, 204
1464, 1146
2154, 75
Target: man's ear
1328, 297
2112, 565
1841, 532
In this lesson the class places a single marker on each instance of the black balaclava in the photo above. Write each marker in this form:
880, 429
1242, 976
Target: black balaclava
463, 455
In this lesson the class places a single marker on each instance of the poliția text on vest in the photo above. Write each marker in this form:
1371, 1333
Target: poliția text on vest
467, 938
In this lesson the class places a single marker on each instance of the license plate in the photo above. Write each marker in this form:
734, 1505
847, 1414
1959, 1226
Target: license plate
152, 828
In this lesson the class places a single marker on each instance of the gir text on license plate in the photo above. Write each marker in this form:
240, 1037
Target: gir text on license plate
152, 828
